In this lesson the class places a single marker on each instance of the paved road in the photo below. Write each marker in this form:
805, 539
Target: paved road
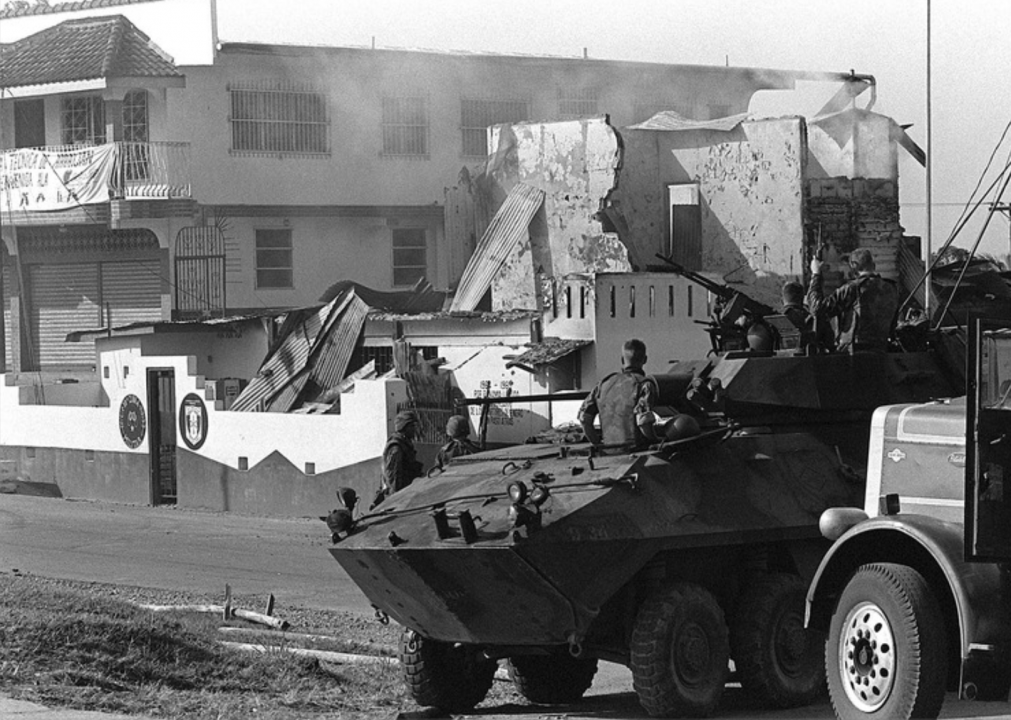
171, 548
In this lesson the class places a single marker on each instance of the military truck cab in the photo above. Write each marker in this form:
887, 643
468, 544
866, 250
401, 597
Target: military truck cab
913, 592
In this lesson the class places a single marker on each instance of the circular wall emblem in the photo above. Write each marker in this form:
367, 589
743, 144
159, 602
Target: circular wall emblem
132, 421
193, 421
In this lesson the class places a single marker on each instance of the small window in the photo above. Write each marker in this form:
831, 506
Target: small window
82, 120
273, 259
405, 126
410, 256
477, 115
279, 120
576, 103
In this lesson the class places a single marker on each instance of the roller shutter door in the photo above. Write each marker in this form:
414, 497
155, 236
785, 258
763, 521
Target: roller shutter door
132, 291
64, 298
8, 328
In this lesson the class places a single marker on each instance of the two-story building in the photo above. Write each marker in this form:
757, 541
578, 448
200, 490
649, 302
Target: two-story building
142, 184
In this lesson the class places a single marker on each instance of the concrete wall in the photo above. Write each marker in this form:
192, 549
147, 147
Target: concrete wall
751, 186
276, 464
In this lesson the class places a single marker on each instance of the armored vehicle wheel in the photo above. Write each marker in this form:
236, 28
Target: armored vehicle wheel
552, 679
779, 662
886, 655
451, 677
680, 652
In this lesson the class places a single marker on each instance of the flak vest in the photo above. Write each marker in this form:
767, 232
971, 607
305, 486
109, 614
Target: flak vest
619, 393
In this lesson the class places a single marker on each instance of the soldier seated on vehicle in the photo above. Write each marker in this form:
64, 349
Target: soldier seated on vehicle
458, 430
865, 306
624, 401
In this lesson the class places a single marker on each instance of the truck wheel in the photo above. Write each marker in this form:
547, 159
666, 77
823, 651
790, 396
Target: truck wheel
886, 654
451, 677
680, 652
552, 679
780, 663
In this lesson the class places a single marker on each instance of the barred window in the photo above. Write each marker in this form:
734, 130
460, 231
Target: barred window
477, 115
405, 126
410, 257
273, 259
279, 120
136, 153
575, 102
82, 120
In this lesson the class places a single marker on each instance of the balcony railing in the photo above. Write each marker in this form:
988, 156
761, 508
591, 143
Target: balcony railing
159, 170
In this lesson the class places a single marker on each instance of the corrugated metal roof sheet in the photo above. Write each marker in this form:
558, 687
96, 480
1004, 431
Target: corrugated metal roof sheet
505, 231
547, 352
671, 121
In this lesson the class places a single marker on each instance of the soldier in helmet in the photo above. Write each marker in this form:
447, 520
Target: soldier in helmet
458, 430
865, 306
624, 401
400, 462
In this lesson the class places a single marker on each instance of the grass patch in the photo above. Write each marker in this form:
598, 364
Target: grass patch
63, 646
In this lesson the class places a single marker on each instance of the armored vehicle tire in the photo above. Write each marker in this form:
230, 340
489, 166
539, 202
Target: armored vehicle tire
886, 653
451, 677
552, 679
780, 663
680, 652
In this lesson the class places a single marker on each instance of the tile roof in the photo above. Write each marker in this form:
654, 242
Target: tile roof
85, 49
14, 10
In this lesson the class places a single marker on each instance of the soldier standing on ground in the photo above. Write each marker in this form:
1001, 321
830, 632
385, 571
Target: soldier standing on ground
865, 306
400, 462
624, 401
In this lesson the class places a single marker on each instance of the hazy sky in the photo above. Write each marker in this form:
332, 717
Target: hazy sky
970, 52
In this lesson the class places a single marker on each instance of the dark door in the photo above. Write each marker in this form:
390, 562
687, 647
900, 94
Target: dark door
29, 123
988, 442
161, 403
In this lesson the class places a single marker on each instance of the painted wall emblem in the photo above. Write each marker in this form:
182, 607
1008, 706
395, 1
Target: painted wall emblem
896, 455
193, 421
132, 421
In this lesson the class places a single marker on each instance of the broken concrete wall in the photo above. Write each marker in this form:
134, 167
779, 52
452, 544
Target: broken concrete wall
575, 163
751, 196
853, 143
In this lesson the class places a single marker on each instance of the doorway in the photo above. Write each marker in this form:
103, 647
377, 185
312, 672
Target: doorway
161, 402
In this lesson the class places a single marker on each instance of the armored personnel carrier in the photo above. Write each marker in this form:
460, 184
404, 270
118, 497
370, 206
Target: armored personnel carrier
680, 561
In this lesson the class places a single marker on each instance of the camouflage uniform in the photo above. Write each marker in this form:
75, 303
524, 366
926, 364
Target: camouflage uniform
624, 400
865, 308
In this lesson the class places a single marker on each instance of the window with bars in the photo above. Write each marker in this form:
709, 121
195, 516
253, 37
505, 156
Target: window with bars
477, 115
405, 126
410, 256
273, 259
574, 102
82, 120
136, 154
279, 120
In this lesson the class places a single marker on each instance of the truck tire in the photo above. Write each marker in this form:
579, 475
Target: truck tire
779, 662
453, 678
551, 679
680, 652
886, 655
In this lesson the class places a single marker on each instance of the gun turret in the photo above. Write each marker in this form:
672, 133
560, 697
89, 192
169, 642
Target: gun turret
738, 321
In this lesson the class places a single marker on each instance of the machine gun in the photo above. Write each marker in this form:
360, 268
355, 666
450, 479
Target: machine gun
738, 322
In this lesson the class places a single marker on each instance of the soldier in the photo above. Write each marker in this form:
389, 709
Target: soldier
813, 331
865, 306
400, 463
624, 400
458, 430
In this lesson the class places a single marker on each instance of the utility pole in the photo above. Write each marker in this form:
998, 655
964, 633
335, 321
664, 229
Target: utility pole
930, 163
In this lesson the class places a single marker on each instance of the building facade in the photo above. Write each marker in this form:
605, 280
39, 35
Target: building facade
251, 176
